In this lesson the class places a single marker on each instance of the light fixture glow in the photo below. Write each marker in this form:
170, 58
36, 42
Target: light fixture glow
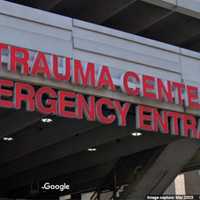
8, 139
46, 120
136, 134
92, 149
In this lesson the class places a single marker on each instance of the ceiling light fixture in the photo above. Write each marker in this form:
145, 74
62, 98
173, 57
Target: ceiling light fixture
8, 139
136, 134
46, 120
92, 149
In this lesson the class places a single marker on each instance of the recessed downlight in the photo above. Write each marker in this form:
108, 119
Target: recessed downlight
136, 134
8, 139
46, 120
92, 149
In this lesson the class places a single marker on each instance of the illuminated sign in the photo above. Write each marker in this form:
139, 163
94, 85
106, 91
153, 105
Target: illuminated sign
69, 104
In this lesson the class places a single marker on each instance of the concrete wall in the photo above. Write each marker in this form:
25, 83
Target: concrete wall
192, 182
51, 33
185, 184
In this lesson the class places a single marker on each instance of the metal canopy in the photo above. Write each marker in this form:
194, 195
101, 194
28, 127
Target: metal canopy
165, 23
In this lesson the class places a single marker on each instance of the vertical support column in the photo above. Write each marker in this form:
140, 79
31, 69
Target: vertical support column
192, 182
163, 171
180, 184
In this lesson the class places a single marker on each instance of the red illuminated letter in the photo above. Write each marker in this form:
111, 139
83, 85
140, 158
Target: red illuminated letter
122, 112
65, 103
164, 92
149, 87
179, 92
105, 79
40, 66
6, 93
86, 78
47, 106
2, 46
24, 93
144, 118
174, 117
189, 126
161, 122
19, 57
84, 107
58, 76
193, 97
99, 111
126, 78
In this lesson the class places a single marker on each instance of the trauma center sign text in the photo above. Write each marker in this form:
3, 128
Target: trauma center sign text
70, 104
